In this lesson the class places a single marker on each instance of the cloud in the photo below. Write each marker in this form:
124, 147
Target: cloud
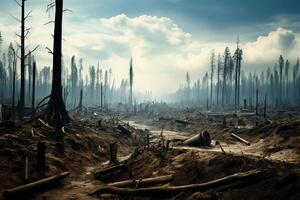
266, 49
162, 51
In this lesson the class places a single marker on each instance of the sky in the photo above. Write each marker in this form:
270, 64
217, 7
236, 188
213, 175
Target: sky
166, 38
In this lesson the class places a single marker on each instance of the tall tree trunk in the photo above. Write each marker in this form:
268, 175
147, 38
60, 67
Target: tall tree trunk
130, 82
33, 88
101, 95
14, 87
22, 87
57, 112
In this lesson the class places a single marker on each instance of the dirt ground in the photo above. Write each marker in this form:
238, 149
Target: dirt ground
274, 149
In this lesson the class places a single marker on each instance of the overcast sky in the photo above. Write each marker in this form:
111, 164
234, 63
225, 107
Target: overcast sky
166, 38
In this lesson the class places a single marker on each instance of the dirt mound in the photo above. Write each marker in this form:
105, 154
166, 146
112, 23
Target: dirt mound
81, 145
279, 179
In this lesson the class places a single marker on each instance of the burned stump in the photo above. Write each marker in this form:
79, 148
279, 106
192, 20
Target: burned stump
201, 139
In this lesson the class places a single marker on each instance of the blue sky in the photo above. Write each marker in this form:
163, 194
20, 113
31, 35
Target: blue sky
165, 37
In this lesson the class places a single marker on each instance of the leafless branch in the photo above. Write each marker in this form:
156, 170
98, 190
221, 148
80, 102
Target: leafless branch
48, 23
66, 10
18, 3
49, 50
18, 35
27, 31
16, 18
28, 15
51, 5
36, 47
18, 56
18, 44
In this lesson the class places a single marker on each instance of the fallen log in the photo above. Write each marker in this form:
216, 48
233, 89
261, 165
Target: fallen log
170, 190
140, 183
184, 122
124, 130
34, 186
201, 139
240, 139
164, 119
108, 170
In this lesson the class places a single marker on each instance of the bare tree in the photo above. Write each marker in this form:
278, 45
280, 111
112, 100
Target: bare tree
287, 68
218, 77
281, 65
57, 112
22, 36
212, 69
130, 82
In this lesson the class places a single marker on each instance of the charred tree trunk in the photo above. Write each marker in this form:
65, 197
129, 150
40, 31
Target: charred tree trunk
80, 101
22, 84
130, 82
101, 95
256, 103
265, 106
33, 88
57, 112
14, 86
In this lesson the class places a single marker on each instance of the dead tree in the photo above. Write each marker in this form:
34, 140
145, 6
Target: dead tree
238, 57
287, 66
14, 79
130, 82
281, 64
225, 73
295, 74
212, 69
33, 88
101, 95
56, 111
29, 71
218, 76
265, 106
256, 104
22, 36
188, 82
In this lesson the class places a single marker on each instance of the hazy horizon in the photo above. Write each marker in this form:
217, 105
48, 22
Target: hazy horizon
166, 38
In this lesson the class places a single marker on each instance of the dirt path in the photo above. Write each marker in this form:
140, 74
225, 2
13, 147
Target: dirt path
78, 186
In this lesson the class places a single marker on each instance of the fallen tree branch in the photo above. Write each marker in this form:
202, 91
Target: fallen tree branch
108, 170
168, 190
45, 124
184, 122
31, 187
219, 143
240, 139
141, 183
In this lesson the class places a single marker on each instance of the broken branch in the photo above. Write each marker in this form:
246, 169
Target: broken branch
168, 190
240, 139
